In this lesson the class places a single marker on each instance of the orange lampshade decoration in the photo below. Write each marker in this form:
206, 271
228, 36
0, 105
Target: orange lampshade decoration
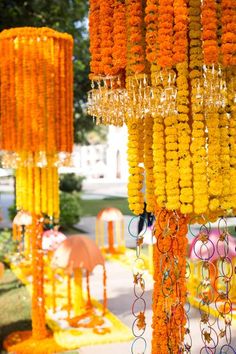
36, 90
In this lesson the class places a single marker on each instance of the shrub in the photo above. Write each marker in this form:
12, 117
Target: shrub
70, 209
12, 211
71, 183
7, 245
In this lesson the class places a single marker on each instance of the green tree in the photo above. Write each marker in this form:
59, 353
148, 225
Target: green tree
67, 16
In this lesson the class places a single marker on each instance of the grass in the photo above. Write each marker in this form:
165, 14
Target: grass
15, 306
91, 207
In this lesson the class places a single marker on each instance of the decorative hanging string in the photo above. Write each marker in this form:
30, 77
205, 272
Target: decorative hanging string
213, 290
170, 286
139, 305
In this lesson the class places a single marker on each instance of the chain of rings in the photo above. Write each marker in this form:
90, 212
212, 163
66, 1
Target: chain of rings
171, 252
213, 291
139, 344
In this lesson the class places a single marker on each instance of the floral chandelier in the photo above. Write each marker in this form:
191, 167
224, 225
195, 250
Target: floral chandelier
166, 68
36, 134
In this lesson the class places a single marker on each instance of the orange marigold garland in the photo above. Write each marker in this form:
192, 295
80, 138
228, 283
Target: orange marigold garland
38, 309
165, 33
119, 36
136, 61
169, 294
180, 31
106, 30
95, 37
209, 31
228, 32
151, 20
33, 114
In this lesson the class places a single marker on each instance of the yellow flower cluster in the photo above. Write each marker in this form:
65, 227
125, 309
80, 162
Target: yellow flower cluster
37, 189
172, 162
158, 144
232, 134
198, 124
224, 160
135, 158
214, 163
185, 168
148, 163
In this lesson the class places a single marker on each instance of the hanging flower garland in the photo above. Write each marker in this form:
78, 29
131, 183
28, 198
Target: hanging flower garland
95, 37
135, 158
165, 33
136, 60
228, 32
28, 121
106, 25
37, 190
169, 294
151, 20
120, 37
148, 163
209, 31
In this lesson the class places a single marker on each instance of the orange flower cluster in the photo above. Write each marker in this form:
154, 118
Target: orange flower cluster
106, 30
165, 33
228, 32
119, 36
169, 293
36, 90
23, 343
136, 60
209, 31
37, 190
151, 20
38, 300
180, 31
95, 37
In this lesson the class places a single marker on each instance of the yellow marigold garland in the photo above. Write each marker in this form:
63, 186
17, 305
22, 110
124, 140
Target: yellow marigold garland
159, 171
148, 163
171, 147
37, 189
200, 188
185, 168
232, 134
135, 158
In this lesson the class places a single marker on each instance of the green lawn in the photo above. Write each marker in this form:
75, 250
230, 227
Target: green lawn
15, 306
91, 207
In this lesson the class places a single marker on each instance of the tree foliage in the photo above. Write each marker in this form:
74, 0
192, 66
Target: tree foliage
66, 16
